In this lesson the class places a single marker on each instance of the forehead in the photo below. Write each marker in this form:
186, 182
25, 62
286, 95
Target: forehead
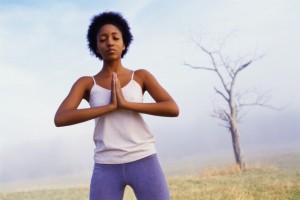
109, 29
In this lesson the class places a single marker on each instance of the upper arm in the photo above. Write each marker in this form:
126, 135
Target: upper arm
152, 86
76, 94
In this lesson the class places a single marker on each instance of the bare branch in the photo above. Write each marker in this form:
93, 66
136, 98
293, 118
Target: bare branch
217, 70
222, 114
198, 44
261, 105
240, 68
196, 67
214, 63
243, 66
226, 65
222, 94
225, 126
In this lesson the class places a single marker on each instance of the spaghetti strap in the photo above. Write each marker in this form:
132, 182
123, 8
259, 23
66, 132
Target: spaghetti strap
132, 75
93, 80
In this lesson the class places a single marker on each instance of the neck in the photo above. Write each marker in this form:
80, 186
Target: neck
112, 66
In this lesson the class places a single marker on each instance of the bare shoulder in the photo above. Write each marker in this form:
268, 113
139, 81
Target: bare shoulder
85, 79
81, 88
145, 79
143, 74
82, 85
84, 82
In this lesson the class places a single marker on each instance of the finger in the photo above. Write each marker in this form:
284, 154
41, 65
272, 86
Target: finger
113, 80
114, 76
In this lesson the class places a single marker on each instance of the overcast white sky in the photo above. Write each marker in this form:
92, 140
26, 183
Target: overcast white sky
43, 51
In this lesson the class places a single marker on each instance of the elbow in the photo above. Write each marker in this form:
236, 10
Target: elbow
175, 111
176, 114
57, 124
57, 121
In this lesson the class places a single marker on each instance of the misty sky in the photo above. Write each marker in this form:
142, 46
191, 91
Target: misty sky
43, 51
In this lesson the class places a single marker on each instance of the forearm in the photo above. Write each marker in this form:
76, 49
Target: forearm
70, 117
166, 108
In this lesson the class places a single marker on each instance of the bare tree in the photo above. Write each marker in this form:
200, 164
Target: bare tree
227, 71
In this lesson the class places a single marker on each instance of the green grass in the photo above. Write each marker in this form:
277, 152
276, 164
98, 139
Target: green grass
275, 177
253, 184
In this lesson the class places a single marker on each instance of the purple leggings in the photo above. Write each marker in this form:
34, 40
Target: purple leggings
144, 176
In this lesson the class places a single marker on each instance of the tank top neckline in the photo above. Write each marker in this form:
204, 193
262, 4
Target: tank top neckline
99, 86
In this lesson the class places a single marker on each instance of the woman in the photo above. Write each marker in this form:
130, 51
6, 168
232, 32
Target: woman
125, 152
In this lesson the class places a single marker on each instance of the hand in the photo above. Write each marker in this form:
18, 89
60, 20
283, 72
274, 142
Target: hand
113, 98
120, 98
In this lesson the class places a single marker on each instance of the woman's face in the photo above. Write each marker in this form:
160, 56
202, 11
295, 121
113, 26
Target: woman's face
110, 43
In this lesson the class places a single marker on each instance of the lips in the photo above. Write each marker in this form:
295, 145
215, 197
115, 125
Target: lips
111, 50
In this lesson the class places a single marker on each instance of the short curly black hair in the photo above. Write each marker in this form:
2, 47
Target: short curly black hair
101, 19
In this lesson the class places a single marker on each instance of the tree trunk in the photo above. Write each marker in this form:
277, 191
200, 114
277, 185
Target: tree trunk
236, 145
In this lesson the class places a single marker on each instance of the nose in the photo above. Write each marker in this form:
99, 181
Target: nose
110, 42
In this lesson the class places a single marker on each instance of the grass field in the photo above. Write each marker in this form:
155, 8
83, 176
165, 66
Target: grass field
271, 182
253, 184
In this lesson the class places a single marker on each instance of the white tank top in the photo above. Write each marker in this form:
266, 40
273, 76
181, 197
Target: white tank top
120, 136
